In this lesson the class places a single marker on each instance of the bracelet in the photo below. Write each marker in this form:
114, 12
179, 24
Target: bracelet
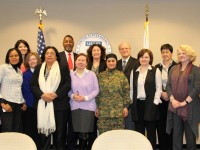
186, 102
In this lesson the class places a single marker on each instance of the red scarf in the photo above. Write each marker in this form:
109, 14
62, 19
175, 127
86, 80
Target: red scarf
179, 86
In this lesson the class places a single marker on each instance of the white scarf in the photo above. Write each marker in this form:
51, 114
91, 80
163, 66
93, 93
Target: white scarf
45, 114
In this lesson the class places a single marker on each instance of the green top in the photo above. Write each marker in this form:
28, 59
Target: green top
114, 94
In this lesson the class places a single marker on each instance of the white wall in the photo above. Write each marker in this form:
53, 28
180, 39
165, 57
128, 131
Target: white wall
173, 21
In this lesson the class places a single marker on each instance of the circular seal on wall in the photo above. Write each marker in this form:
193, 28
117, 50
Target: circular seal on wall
93, 38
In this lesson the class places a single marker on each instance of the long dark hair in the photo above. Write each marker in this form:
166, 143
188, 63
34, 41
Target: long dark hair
89, 52
25, 43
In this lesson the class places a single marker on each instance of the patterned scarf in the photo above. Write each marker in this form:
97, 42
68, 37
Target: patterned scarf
179, 86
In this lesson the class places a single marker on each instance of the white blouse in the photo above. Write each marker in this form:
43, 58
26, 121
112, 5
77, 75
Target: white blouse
140, 85
10, 84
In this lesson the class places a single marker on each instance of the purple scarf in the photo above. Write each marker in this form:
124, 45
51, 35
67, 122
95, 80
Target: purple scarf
179, 86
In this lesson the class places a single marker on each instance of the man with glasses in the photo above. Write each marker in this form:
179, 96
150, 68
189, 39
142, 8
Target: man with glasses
126, 64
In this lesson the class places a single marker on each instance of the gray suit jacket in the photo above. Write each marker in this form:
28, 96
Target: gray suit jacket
194, 106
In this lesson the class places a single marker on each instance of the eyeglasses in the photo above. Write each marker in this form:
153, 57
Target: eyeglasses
12, 56
50, 53
121, 49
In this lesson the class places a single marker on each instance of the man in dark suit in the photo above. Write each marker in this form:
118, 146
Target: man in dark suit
164, 140
68, 58
127, 64
68, 44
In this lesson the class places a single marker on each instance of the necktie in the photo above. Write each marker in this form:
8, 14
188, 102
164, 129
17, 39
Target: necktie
70, 63
123, 65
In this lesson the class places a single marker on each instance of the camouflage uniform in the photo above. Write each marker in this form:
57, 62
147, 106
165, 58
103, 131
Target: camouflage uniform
113, 97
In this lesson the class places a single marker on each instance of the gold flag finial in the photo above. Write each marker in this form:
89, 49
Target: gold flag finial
40, 12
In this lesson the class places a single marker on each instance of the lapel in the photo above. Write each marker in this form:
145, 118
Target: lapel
119, 64
127, 64
63, 58
160, 67
148, 76
74, 59
135, 79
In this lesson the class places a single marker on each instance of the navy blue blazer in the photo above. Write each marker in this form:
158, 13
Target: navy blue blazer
26, 88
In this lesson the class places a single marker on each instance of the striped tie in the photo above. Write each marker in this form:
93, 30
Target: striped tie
123, 65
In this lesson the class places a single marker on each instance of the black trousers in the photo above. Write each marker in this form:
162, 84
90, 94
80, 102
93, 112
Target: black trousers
92, 135
164, 139
141, 125
29, 125
59, 137
71, 136
12, 121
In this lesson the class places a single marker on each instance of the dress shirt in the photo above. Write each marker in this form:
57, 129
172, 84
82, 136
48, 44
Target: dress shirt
165, 73
86, 85
140, 87
10, 84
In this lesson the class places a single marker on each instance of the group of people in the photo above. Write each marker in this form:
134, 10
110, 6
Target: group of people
64, 97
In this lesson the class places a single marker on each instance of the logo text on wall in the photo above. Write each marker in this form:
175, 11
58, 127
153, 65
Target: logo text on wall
93, 38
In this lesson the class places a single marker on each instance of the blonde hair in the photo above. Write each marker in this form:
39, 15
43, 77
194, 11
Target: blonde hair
190, 52
26, 62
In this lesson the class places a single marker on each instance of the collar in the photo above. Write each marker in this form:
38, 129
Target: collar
68, 53
110, 70
149, 68
84, 72
11, 67
162, 64
32, 70
126, 59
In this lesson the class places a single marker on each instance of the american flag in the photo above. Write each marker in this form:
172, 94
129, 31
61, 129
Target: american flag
40, 41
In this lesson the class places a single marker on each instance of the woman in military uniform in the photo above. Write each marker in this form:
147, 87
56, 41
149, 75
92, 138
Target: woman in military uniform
113, 99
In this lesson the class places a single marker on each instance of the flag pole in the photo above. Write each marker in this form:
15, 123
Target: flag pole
146, 28
147, 13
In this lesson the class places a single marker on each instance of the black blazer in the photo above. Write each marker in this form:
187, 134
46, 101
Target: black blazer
132, 64
62, 101
151, 112
63, 59
102, 66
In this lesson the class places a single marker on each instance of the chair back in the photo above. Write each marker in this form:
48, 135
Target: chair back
16, 141
121, 140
